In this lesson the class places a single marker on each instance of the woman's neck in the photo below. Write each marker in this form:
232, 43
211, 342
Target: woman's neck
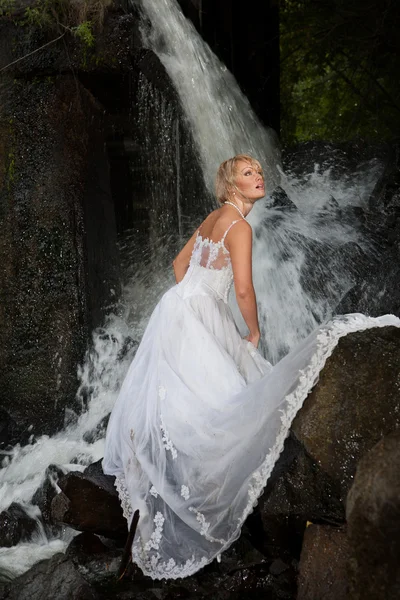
243, 205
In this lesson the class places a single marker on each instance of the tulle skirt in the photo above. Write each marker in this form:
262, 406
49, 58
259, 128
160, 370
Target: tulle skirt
199, 423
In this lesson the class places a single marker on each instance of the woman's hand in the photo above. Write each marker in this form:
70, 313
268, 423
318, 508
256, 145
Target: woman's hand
254, 338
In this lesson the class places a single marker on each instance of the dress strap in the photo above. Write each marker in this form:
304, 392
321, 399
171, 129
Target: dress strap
227, 231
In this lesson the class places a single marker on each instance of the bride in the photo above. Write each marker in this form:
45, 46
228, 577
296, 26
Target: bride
201, 417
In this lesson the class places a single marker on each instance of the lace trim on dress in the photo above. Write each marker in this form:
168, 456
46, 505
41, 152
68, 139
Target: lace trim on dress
155, 538
185, 492
168, 445
144, 555
124, 497
326, 342
204, 526
214, 248
152, 567
153, 491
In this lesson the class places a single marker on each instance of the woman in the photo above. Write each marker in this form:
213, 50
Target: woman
201, 417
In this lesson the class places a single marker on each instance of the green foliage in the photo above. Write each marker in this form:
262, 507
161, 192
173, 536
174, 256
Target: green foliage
6, 7
339, 69
84, 32
39, 15
81, 18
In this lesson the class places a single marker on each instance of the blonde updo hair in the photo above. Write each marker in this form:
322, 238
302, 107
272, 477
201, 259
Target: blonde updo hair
225, 180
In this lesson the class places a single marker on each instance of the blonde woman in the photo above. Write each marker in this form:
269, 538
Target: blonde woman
201, 417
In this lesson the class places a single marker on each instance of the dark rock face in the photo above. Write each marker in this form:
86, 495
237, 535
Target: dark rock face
110, 53
374, 275
45, 494
55, 207
355, 402
373, 513
90, 503
11, 433
323, 564
97, 562
378, 291
63, 110
15, 525
54, 579
298, 491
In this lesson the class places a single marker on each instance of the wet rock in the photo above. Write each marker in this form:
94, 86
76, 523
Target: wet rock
90, 503
97, 432
329, 212
355, 402
10, 432
54, 579
349, 262
339, 158
86, 545
281, 201
15, 525
278, 567
96, 469
323, 564
111, 52
298, 491
241, 555
378, 291
254, 582
45, 494
373, 513
58, 242
97, 562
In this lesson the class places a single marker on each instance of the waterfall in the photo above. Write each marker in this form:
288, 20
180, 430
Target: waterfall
220, 116
299, 266
302, 251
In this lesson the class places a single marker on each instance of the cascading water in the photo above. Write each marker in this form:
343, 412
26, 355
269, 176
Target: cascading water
298, 257
221, 118
223, 125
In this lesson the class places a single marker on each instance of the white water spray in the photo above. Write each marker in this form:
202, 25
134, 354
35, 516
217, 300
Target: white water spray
220, 116
223, 125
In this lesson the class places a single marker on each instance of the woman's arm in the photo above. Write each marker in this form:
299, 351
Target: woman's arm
239, 243
182, 260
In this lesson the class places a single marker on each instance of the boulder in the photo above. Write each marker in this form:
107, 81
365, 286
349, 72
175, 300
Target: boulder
323, 564
373, 514
378, 292
96, 561
279, 200
45, 494
15, 525
53, 579
90, 503
355, 402
297, 491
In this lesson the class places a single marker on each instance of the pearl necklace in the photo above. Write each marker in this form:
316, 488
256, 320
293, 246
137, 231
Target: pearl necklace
237, 208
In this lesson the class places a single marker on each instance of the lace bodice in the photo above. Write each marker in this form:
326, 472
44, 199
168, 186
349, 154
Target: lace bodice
210, 268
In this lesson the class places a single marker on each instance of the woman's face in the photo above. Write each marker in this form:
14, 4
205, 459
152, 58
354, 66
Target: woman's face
249, 179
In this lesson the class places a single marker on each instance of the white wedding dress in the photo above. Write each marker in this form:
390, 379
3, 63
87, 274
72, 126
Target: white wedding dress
201, 418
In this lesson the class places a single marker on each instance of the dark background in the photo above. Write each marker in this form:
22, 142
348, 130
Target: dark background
312, 69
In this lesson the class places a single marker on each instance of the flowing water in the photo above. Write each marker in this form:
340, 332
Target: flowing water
301, 255
223, 124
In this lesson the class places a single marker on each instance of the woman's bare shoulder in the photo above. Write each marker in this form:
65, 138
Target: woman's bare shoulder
241, 227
